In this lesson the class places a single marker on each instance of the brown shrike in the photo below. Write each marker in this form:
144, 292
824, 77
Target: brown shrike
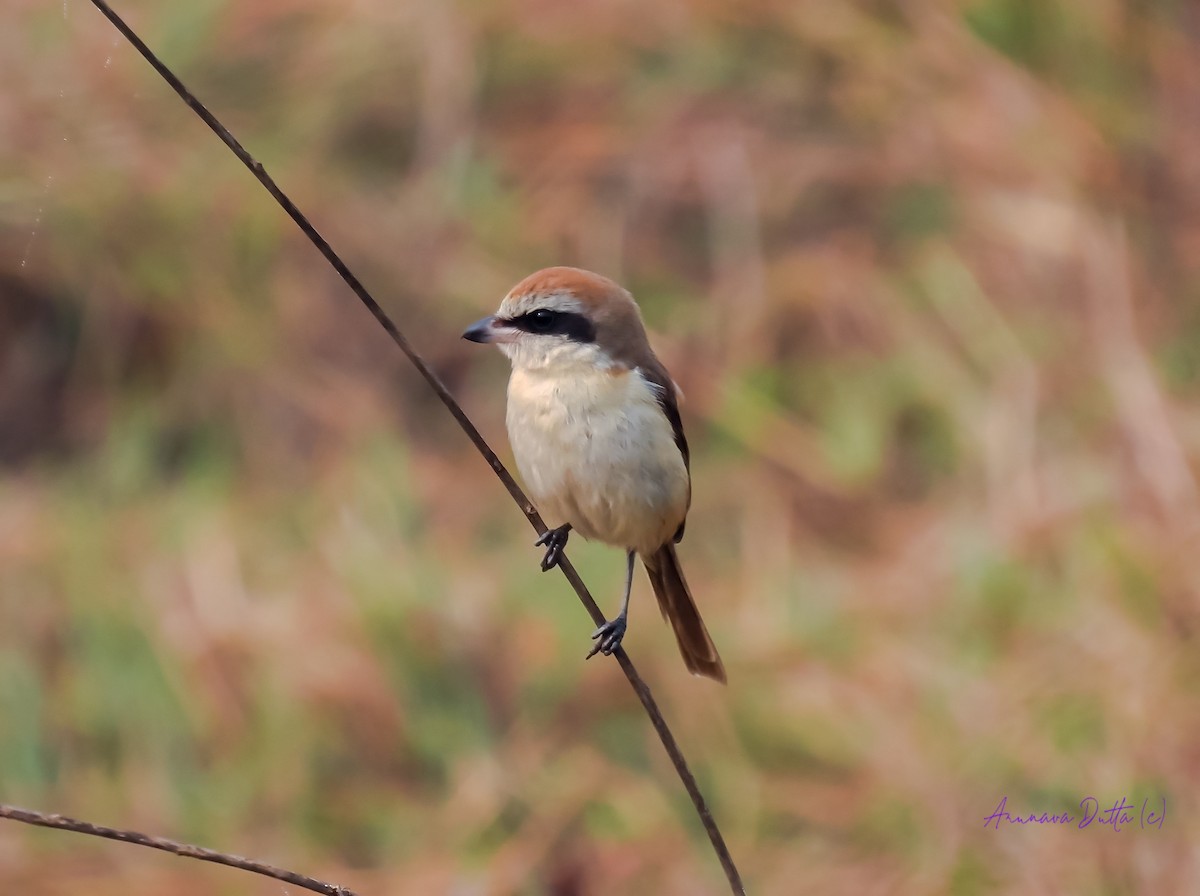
594, 425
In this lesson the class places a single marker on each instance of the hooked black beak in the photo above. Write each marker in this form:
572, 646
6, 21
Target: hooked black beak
480, 331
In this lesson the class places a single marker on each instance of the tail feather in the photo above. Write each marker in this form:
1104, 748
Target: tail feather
678, 608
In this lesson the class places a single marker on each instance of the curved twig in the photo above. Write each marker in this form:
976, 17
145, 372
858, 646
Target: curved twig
187, 850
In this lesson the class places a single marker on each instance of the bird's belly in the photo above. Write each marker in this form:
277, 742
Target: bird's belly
597, 452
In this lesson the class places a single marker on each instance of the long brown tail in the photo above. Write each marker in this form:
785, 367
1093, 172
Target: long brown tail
679, 609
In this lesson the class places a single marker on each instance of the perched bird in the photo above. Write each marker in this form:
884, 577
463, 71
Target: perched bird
594, 425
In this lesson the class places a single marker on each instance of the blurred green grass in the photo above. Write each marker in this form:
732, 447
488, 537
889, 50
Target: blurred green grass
926, 274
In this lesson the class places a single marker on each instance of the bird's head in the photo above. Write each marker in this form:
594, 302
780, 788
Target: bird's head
564, 317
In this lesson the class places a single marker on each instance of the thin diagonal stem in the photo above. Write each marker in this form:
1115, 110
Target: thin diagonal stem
187, 850
631, 673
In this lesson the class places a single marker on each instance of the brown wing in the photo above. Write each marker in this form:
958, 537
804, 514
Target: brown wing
655, 373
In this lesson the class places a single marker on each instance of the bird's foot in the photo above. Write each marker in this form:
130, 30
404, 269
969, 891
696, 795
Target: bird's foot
554, 540
608, 637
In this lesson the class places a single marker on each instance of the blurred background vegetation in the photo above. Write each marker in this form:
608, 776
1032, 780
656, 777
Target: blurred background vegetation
929, 274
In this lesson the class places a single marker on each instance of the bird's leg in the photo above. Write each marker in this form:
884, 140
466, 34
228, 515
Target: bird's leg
608, 636
554, 540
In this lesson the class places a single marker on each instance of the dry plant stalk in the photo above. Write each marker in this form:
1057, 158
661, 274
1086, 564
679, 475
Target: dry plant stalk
635, 680
63, 823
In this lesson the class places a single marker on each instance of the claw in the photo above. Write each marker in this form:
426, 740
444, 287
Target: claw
608, 637
554, 540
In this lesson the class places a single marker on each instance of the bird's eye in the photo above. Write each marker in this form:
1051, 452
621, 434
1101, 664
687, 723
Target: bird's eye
541, 320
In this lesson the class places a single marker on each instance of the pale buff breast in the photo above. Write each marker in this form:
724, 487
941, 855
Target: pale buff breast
595, 450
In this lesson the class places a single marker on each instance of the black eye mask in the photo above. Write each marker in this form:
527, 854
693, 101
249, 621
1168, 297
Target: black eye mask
544, 322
